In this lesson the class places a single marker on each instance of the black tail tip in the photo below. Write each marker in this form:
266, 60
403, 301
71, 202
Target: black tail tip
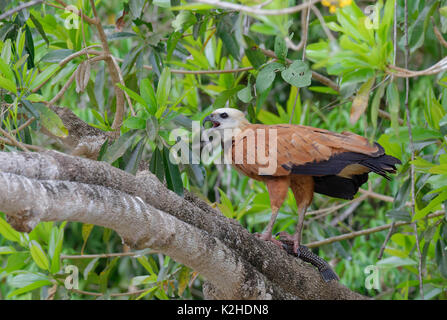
328, 275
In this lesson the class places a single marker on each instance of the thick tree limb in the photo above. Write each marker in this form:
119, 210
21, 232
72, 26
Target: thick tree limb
29, 201
273, 272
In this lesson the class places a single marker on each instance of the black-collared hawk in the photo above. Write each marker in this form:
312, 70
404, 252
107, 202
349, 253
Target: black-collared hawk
306, 159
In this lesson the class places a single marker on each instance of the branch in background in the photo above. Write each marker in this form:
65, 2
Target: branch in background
405, 73
13, 141
438, 34
63, 89
178, 71
114, 73
256, 10
304, 26
19, 8
23, 126
387, 238
323, 23
367, 231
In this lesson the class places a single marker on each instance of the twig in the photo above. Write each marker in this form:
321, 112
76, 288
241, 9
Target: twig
23, 126
366, 231
114, 73
323, 23
405, 73
387, 238
304, 26
257, 11
13, 140
265, 3
79, 53
129, 102
101, 255
438, 34
19, 8
63, 89
348, 211
178, 71
29, 146
379, 196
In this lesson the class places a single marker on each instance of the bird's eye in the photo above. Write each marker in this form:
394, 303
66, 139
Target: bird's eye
224, 115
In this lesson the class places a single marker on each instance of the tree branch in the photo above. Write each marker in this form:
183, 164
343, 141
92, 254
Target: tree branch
257, 10
183, 228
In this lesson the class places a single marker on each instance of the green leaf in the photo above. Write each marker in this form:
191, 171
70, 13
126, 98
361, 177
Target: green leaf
434, 203
39, 255
6, 71
280, 48
223, 97
119, 147
172, 43
392, 95
172, 174
7, 250
375, 104
162, 3
132, 94
148, 95
57, 56
266, 76
145, 263
135, 158
44, 76
51, 121
321, 89
8, 232
297, 74
55, 247
86, 230
226, 34
361, 99
443, 11
39, 29
30, 287
34, 97
183, 280
8, 85
226, 206
393, 262
184, 20
163, 90
156, 165
134, 123
245, 94
254, 55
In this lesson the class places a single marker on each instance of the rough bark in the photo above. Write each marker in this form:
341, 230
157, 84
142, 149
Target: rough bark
146, 214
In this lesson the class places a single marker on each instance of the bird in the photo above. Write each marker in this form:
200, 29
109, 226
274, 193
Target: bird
307, 160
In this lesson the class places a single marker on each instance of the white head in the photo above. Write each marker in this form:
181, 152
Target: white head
226, 118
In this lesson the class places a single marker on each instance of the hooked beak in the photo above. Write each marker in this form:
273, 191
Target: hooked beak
209, 118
